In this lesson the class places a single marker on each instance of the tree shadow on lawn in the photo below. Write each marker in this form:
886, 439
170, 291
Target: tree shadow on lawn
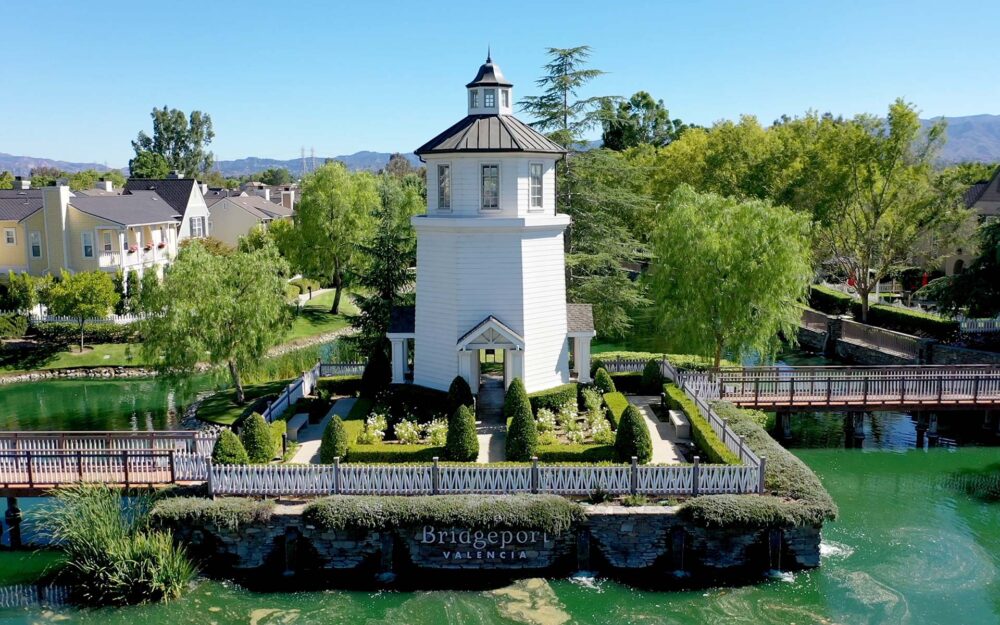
29, 355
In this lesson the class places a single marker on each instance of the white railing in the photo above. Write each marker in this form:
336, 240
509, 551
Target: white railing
35, 318
296, 390
127, 467
881, 339
184, 441
979, 326
330, 369
624, 365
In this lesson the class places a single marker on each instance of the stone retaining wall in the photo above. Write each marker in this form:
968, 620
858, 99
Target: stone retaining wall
79, 373
950, 355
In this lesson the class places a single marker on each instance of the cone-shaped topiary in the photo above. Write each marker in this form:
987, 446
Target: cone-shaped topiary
652, 377
462, 444
377, 374
522, 433
603, 381
459, 394
334, 443
632, 437
228, 449
595, 364
257, 440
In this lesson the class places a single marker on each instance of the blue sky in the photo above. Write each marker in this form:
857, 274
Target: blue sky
81, 78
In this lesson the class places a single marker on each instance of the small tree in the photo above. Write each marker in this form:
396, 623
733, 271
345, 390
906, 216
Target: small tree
652, 377
377, 374
462, 444
603, 381
459, 394
22, 292
334, 443
83, 295
119, 281
256, 439
522, 434
229, 450
147, 297
632, 437
133, 291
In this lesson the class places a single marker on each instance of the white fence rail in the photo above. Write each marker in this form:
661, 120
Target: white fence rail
183, 441
128, 467
35, 318
979, 326
814, 320
296, 390
624, 365
328, 369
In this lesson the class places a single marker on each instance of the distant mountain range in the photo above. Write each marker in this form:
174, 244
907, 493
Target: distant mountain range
970, 138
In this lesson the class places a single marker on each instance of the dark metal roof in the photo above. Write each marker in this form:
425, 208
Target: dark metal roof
579, 318
402, 320
489, 75
490, 133
15, 205
136, 208
175, 191
973, 193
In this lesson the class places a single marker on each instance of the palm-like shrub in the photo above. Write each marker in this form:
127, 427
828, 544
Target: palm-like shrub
522, 433
229, 450
461, 445
257, 439
603, 381
459, 394
632, 437
334, 442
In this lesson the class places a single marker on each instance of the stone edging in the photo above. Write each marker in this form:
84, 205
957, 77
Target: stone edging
71, 373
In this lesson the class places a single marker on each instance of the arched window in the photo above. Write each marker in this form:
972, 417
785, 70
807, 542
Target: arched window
959, 266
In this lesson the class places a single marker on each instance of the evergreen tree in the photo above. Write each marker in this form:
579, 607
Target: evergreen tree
462, 444
147, 299
603, 381
256, 439
459, 394
119, 280
228, 449
132, 290
632, 437
522, 434
334, 442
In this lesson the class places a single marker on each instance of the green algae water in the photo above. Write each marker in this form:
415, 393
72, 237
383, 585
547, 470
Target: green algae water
909, 548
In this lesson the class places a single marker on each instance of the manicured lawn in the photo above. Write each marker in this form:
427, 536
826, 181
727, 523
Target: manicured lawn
315, 318
222, 409
58, 357
26, 567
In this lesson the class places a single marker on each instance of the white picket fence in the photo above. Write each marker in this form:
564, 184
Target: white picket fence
979, 326
183, 441
36, 318
127, 467
331, 369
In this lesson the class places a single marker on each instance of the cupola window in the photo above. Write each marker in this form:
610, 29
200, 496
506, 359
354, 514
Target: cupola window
535, 171
490, 187
505, 95
444, 187
474, 98
489, 98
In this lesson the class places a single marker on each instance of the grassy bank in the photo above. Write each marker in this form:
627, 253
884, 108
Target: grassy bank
28, 567
46, 357
315, 317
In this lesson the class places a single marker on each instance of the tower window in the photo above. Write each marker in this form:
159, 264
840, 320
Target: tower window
490, 187
535, 173
35, 239
444, 187
474, 99
489, 98
505, 98
87, 238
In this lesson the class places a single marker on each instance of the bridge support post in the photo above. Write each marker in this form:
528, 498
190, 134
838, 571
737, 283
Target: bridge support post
932, 430
921, 428
784, 424
13, 518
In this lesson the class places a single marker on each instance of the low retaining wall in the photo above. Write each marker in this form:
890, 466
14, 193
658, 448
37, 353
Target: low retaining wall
79, 373
865, 355
949, 355
812, 340
615, 539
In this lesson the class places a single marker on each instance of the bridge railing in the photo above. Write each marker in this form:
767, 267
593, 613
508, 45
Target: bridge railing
814, 320
181, 441
979, 326
125, 467
881, 339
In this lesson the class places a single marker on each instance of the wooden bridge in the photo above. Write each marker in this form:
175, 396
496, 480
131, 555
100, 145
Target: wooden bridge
933, 388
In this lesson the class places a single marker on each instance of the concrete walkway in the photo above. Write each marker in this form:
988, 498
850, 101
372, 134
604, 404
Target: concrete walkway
665, 445
490, 427
311, 435
304, 298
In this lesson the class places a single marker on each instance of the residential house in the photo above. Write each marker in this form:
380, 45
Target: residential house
285, 195
233, 216
983, 198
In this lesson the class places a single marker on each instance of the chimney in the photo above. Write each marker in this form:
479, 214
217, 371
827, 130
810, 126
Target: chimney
105, 185
22, 184
62, 182
204, 188
288, 199
265, 193
175, 175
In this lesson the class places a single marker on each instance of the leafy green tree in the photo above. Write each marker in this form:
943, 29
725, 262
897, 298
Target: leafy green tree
228, 449
180, 139
640, 120
274, 176
522, 433
88, 178
257, 238
256, 439
45, 176
22, 292
334, 442
216, 247
282, 232
632, 437
385, 273
148, 294
976, 290
218, 309
148, 164
334, 214
83, 295
728, 275
558, 111
398, 166
6, 180
462, 445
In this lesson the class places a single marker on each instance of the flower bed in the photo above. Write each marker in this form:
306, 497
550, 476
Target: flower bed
367, 426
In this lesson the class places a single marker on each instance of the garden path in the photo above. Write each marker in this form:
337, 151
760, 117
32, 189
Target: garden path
304, 298
490, 427
311, 435
666, 447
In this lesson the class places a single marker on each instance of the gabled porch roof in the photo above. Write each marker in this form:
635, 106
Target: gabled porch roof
490, 333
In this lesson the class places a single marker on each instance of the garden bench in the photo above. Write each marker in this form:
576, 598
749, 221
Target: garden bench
682, 427
295, 424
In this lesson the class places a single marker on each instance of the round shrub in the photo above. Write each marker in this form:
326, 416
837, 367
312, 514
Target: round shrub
459, 394
522, 433
462, 444
603, 381
377, 374
257, 439
595, 364
229, 450
334, 443
652, 377
632, 438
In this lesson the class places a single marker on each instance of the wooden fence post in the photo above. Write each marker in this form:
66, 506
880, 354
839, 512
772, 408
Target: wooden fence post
534, 474
742, 440
694, 476
634, 476
336, 475
125, 466
31, 474
761, 466
208, 477
79, 464
172, 473
435, 476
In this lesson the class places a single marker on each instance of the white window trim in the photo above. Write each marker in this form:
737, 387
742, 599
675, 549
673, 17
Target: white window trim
487, 92
107, 242
474, 98
31, 245
505, 98
499, 187
83, 244
13, 237
451, 186
541, 188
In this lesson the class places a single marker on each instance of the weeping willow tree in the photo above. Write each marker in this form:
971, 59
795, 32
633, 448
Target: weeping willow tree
728, 276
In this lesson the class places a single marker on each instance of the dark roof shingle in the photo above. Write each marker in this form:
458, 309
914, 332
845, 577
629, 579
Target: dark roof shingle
15, 205
175, 191
579, 318
136, 208
490, 133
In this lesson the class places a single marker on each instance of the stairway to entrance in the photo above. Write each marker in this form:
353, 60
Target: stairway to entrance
490, 427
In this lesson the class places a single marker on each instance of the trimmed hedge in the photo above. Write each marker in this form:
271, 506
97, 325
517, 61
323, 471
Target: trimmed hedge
633, 438
908, 321
462, 444
652, 377
616, 403
95, 332
747, 511
228, 449
628, 382
334, 442
830, 301
522, 433
425, 402
256, 438
550, 513
603, 381
574, 453
349, 385
459, 394
702, 433
13, 326
393, 453
226, 512
553, 398
377, 375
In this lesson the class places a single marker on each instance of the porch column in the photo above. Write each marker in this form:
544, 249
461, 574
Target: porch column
581, 356
513, 362
398, 360
466, 368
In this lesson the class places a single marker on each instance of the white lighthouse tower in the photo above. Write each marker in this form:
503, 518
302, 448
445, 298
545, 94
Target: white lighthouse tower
490, 257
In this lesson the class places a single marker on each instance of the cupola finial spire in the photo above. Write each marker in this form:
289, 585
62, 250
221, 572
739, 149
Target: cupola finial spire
489, 56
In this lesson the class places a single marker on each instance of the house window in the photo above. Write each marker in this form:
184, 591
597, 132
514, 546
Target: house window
9, 237
535, 173
490, 187
87, 239
444, 187
35, 239
107, 241
489, 98
197, 227
474, 99
505, 94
